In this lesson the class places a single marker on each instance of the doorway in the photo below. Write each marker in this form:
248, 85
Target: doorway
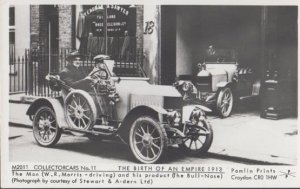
53, 38
186, 32
168, 44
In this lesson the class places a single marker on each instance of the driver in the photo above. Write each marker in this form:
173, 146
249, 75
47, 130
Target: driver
210, 51
73, 74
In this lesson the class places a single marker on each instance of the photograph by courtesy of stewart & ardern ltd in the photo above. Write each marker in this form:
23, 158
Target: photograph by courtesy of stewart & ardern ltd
153, 84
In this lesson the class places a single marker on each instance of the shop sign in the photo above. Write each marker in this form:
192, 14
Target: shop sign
118, 18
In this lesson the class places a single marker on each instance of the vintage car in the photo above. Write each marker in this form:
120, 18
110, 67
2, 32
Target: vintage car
221, 81
122, 104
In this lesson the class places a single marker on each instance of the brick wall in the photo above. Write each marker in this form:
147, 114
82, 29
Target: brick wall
39, 25
65, 19
34, 23
44, 26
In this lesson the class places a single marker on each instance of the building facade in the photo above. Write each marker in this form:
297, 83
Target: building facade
168, 40
19, 29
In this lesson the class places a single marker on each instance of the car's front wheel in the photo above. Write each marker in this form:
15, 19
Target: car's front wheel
147, 140
45, 128
198, 138
224, 102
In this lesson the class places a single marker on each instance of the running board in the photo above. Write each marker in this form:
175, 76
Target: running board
90, 132
104, 127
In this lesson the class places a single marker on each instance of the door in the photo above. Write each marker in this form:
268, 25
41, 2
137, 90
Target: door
168, 44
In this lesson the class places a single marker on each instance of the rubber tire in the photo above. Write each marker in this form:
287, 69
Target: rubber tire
219, 99
162, 134
58, 131
91, 105
205, 146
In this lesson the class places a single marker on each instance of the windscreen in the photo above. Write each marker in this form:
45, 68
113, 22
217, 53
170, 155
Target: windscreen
125, 69
221, 56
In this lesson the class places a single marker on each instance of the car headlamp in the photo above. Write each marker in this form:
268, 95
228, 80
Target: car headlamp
174, 117
197, 115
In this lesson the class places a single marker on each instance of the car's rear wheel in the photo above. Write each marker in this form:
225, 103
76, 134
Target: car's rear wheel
147, 140
80, 110
224, 102
198, 138
45, 128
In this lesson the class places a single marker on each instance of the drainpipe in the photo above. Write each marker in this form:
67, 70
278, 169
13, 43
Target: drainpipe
105, 28
264, 62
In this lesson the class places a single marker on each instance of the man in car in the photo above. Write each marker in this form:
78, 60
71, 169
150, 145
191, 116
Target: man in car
210, 51
74, 75
214, 55
100, 68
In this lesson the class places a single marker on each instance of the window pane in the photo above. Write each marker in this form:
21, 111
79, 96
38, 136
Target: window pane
12, 37
11, 16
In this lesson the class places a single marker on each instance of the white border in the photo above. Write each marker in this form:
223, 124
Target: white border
4, 90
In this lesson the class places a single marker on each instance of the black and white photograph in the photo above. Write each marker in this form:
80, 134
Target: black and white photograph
105, 94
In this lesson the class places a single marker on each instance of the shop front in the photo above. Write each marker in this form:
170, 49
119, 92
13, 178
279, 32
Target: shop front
93, 29
55, 30
264, 37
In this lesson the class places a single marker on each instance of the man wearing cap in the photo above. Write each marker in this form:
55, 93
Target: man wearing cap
99, 65
73, 74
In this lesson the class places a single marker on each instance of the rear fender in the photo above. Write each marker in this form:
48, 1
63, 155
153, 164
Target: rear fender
53, 103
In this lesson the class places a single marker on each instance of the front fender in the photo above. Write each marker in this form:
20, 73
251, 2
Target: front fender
159, 110
222, 84
187, 110
154, 111
53, 103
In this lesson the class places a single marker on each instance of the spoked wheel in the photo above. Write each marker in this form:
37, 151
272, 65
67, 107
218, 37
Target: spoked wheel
198, 138
225, 102
45, 128
147, 140
80, 110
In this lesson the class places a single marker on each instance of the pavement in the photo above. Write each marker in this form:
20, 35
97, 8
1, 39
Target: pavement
242, 135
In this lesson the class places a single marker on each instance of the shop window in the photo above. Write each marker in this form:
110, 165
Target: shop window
11, 36
12, 40
11, 25
11, 16
120, 41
